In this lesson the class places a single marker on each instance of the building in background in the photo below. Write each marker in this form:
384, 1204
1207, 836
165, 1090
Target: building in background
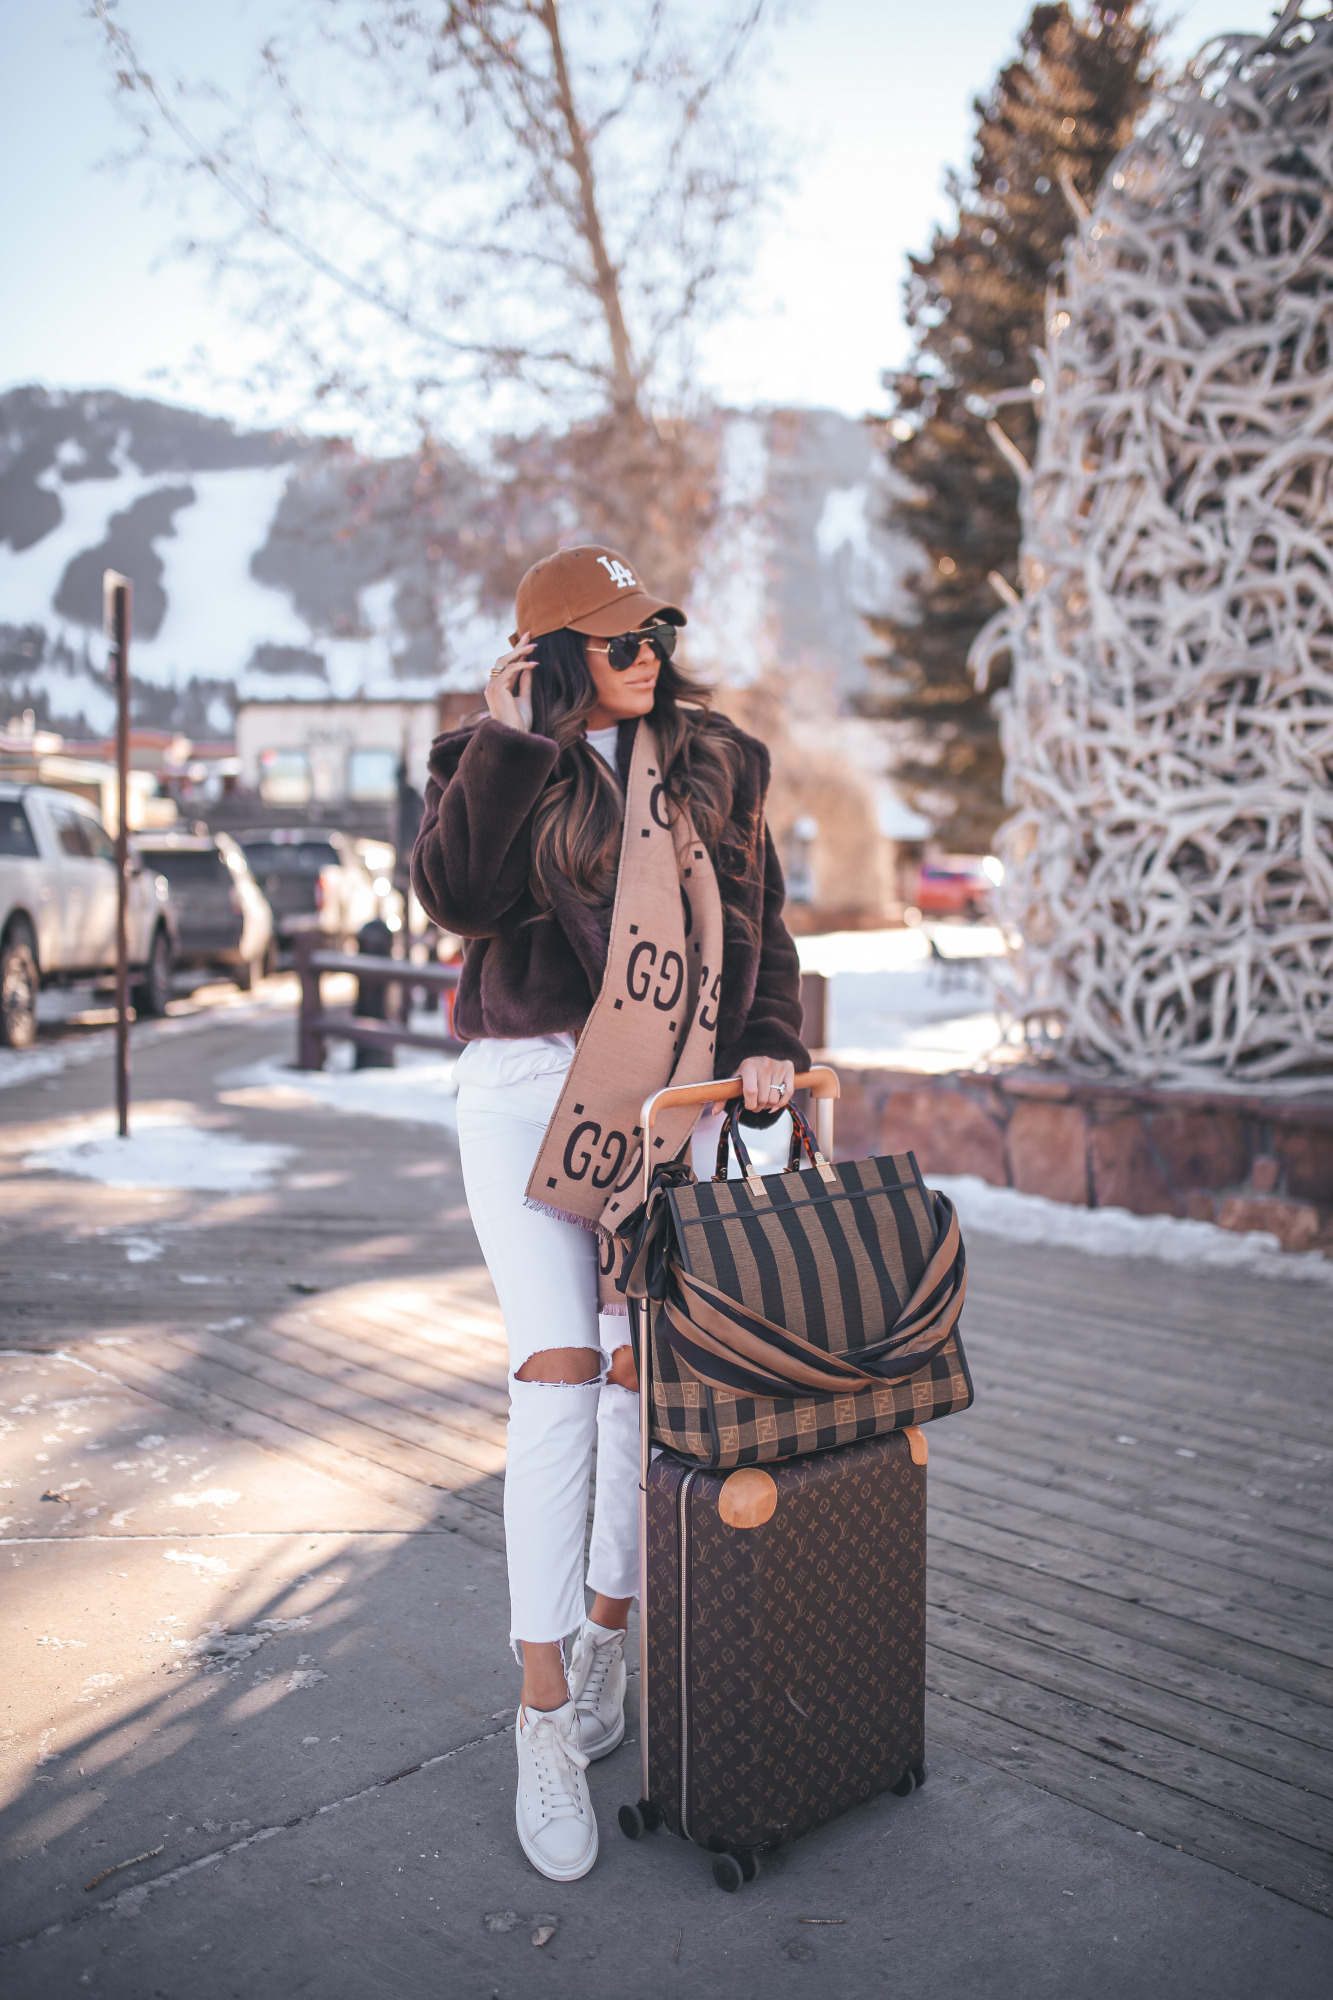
333, 612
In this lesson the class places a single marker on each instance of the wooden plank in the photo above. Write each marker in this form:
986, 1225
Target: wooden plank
977, 1503
1101, 1394
1196, 1295
982, 1591
341, 1025
1231, 1456
1261, 1804
346, 1356
461, 1352
338, 1427
1167, 1619
1284, 1325
138, 1369
1216, 1385
1287, 1867
994, 1470
975, 1624
396, 1428
478, 1411
1083, 1627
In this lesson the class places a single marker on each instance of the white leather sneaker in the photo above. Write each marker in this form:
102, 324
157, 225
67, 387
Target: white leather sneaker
597, 1685
553, 1812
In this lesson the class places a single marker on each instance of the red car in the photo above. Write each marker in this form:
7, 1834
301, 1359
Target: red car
956, 885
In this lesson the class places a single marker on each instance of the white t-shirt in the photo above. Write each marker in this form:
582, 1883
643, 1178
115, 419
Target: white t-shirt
603, 741
493, 1062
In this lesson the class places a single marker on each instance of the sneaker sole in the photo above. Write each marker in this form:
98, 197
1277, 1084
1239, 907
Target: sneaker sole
542, 1867
605, 1749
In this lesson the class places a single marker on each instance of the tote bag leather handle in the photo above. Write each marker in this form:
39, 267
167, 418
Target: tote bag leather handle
821, 1082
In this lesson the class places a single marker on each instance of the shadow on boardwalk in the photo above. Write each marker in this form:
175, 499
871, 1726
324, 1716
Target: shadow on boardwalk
1130, 1630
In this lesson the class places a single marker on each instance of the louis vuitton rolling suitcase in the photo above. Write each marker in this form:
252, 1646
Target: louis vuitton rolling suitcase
782, 1610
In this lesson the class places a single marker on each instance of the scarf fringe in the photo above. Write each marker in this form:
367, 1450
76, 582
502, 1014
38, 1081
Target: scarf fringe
560, 1214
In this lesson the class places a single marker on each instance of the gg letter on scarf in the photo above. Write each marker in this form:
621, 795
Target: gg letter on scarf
653, 1023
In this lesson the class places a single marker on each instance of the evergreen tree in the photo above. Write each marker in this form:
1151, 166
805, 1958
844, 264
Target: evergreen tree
1055, 119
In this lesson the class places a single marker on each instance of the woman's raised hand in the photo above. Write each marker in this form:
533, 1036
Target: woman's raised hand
507, 690
768, 1084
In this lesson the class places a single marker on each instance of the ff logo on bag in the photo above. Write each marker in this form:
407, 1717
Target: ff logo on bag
622, 578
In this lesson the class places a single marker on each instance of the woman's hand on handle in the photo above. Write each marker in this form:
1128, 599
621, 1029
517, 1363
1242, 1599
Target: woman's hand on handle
507, 690
768, 1084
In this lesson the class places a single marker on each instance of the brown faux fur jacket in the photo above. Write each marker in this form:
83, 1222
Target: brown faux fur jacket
526, 972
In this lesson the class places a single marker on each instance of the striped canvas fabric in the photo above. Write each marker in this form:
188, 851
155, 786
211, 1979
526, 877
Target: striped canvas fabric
853, 1282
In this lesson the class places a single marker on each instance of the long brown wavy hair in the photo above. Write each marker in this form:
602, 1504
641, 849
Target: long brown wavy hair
577, 826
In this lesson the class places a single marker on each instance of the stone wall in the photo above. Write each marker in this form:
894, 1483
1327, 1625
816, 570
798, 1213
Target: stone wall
1249, 1162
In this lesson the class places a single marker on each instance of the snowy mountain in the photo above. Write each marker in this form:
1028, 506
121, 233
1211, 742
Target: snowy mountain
267, 563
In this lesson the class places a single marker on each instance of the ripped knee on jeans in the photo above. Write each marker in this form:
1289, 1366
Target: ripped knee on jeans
622, 1371
571, 1366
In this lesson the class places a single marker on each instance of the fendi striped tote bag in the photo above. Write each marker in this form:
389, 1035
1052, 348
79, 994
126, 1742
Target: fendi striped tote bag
791, 1313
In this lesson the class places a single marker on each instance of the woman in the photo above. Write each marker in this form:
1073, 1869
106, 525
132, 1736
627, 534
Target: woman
599, 839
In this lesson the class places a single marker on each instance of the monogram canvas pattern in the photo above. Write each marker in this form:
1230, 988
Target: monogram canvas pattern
799, 1688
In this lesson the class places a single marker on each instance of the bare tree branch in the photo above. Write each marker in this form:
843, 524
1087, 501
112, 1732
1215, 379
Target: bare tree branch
442, 169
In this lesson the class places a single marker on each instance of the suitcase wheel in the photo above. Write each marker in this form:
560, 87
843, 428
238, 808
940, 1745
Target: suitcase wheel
905, 1786
637, 1820
728, 1873
920, 1774
749, 1861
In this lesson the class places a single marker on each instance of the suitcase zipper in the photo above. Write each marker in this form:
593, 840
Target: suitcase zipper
684, 1545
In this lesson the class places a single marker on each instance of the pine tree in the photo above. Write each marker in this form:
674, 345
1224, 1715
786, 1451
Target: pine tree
1055, 119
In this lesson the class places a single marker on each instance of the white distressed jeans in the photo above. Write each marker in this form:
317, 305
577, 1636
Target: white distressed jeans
545, 1276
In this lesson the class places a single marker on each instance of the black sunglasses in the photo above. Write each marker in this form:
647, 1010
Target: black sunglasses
622, 652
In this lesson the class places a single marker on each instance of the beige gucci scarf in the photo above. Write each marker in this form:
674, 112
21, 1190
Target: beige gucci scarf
653, 1023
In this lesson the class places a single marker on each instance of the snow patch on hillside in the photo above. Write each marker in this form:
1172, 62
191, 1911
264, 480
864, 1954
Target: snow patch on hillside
30, 579
217, 612
732, 635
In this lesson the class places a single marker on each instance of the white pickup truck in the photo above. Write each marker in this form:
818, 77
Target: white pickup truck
58, 908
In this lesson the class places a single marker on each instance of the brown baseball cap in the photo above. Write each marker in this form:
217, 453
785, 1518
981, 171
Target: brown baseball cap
588, 589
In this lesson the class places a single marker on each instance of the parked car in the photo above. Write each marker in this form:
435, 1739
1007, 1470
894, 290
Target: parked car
58, 908
222, 915
313, 881
955, 885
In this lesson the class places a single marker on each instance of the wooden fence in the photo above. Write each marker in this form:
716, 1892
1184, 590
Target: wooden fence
318, 1025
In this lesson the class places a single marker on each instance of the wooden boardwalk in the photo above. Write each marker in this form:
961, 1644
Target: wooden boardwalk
1131, 1570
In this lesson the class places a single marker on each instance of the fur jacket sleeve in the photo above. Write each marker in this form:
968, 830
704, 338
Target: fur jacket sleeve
526, 972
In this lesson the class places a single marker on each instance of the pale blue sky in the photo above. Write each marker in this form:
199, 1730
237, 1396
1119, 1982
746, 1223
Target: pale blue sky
875, 95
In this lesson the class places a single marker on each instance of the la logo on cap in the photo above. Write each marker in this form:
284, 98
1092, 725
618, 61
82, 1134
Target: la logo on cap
587, 589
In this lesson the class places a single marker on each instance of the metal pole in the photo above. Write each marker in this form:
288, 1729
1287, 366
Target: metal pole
116, 615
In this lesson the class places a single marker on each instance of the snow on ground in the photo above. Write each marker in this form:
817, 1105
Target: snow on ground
918, 999
420, 1091
891, 1001
1114, 1232
161, 1152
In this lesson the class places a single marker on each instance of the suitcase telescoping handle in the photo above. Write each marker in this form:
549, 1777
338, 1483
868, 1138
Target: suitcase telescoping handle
823, 1084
